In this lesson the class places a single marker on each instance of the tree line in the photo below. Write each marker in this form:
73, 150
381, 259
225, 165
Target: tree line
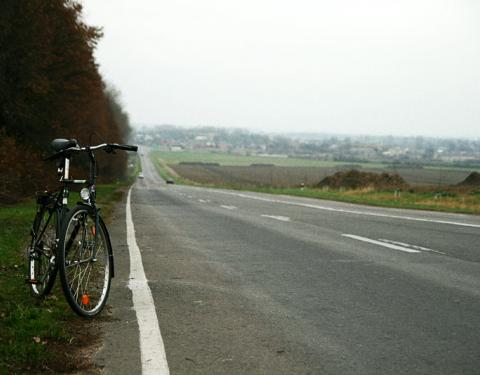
50, 87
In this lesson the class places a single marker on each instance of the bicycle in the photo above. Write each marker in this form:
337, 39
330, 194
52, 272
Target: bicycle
73, 242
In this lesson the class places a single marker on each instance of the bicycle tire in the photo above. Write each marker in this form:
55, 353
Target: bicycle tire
85, 281
42, 265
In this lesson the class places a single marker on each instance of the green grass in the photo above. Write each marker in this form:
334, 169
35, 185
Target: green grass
166, 174
24, 319
433, 201
171, 157
449, 168
134, 167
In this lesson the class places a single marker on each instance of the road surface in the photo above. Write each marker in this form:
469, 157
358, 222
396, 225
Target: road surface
253, 283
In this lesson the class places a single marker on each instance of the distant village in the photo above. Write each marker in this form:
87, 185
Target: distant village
390, 149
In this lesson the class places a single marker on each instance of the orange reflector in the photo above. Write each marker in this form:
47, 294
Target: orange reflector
93, 230
85, 299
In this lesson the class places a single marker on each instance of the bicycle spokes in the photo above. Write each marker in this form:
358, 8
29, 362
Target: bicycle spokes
86, 262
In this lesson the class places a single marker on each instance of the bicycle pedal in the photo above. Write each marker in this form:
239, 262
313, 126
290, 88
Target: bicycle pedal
31, 281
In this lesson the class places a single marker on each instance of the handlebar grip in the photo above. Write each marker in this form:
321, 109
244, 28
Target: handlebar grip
125, 147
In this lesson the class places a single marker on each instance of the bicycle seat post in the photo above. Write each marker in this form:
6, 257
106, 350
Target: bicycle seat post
67, 168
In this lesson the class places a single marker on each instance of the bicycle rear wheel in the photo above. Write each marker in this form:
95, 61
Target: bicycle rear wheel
42, 267
85, 279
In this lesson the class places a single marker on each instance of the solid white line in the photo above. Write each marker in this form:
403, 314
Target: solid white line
154, 359
355, 212
384, 244
281, 218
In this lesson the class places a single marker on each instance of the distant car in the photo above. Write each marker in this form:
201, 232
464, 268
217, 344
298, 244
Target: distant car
170, 181
140, 175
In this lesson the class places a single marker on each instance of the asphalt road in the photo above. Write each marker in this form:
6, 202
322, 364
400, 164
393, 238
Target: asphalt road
253, 283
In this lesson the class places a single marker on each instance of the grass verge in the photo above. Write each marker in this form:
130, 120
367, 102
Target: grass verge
467, 203
39, 335
167, 173
433, 199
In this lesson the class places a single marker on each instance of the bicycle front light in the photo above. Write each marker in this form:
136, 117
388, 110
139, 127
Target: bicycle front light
85, 194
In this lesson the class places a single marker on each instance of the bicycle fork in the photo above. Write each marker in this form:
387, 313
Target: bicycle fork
84, 242
33, 254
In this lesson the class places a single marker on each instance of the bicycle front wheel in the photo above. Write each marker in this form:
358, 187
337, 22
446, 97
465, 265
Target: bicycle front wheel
84, 261
42, 267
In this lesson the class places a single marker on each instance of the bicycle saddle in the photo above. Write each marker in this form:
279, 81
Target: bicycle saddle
62, 144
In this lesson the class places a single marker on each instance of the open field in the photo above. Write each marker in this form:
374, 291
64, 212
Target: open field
429, 190
293, 176
291, 171
225, 159
252, 176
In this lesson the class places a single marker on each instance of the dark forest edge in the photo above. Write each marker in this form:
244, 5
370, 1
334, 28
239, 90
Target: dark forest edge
50, 87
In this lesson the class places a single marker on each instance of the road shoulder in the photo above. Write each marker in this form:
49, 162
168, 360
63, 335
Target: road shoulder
120, 353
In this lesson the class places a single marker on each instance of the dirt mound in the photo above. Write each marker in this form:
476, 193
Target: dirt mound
354, 179
473, 179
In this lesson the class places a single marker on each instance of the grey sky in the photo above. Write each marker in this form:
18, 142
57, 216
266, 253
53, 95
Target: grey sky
408, 67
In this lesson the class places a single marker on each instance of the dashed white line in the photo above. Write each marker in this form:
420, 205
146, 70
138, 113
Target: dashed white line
280, 218
202, 201
355, 212
416, 247
152, 349
384, 244
228, 207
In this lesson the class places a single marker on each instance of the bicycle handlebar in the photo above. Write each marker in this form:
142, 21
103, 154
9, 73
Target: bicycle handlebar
106, 146
124, 147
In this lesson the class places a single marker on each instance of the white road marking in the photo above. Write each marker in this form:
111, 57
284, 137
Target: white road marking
416, 247
355, 212
281, 218
154, 359
228, 207
202, 201
384, 244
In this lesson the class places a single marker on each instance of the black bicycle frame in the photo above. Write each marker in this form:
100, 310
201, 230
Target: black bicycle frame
50, 202
92, 196
62, 196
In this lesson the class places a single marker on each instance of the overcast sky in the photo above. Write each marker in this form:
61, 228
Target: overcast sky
400, 67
